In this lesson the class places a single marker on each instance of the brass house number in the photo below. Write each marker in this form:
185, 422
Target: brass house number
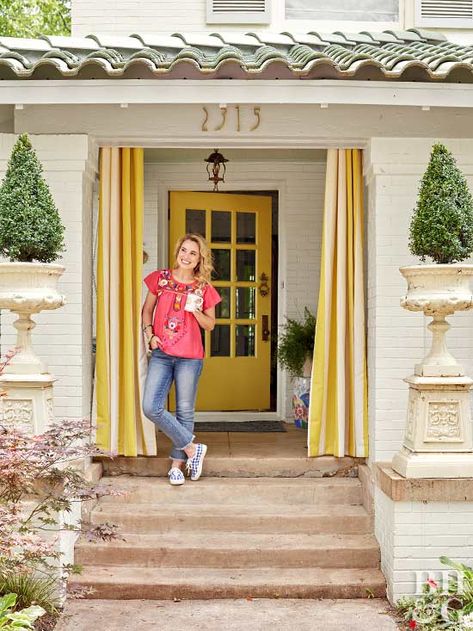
235, 120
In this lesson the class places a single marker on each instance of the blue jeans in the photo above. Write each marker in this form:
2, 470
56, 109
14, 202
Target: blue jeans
163, 369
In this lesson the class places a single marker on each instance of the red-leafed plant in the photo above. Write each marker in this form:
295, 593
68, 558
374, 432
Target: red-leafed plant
41, 480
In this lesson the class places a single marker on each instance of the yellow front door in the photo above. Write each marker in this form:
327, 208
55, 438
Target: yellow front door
236, 373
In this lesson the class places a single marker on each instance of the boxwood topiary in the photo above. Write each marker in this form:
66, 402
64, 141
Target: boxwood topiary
30, 226
442, 224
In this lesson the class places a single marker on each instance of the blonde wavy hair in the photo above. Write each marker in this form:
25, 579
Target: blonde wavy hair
203, 270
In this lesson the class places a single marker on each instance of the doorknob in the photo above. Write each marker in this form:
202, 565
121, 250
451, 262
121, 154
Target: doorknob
264, 287
265, 332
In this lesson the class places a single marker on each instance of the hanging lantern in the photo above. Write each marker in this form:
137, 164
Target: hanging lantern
216, 168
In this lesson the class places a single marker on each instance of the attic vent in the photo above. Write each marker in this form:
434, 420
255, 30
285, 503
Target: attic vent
242, 6
238, 11
444, 13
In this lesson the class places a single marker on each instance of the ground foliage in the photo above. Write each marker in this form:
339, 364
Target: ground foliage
441, 606
15, 619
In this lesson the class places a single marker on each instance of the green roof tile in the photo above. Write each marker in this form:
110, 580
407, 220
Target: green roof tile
395, 55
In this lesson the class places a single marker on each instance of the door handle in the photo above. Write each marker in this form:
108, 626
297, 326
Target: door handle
265, 332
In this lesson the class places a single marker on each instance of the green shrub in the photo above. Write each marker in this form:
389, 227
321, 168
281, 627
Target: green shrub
296, 343
31, 589
30, 226
11, 620
442, 225
441, 606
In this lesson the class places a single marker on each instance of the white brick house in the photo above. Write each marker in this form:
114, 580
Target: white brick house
71, 106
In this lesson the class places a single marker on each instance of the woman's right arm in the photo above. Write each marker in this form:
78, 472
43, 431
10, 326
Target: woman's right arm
147, 320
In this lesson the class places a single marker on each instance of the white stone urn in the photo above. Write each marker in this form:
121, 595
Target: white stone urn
26, 289
438, 437
438, 291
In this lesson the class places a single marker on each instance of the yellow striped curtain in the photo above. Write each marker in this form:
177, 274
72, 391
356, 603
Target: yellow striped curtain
338, 410
121, 357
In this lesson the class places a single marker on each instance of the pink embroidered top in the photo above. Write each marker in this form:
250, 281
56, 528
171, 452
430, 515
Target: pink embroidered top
178, 329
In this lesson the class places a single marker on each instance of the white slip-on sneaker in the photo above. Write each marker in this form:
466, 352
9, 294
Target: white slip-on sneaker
176, 477
194, 465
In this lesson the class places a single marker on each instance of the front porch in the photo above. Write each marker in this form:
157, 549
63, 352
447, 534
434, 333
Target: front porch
394, 123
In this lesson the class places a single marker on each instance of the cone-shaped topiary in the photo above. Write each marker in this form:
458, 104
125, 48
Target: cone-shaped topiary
442, 225
30, 226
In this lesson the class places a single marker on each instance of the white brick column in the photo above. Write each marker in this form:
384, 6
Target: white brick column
63, 338
398, 339
416, 521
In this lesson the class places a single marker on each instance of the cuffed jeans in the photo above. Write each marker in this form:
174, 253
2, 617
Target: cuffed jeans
163, 369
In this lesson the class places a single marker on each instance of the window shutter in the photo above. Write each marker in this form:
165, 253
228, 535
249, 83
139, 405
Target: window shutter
238, 11
444, 13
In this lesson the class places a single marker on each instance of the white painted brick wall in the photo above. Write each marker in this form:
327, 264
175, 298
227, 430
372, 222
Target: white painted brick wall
152, 16
397, 339
126, 17
300, 222
62, 338
414, 535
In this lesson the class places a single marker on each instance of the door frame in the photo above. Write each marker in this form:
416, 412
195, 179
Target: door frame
277, 184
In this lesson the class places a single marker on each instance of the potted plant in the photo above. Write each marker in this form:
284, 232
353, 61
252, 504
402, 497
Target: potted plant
441, 229
295, 349
31, 237
438, 437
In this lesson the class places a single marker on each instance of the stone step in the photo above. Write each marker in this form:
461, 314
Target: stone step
265, 518
168, 583
249, 492
235, 466
232, 550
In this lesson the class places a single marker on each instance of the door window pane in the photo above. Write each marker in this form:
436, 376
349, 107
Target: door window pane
245, 303
246, 265
220, 341
222, 310
195, 221
221, 227
221, 264
245, 340
246, 228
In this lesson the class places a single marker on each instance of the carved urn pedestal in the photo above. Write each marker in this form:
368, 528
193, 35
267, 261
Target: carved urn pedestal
26, 289
438, 440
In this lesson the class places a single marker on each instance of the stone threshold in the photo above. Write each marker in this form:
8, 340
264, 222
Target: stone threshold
401, 489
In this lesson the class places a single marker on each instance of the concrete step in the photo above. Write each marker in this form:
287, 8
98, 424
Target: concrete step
249, 492
265, 518
239, 466
168, 583
233, 550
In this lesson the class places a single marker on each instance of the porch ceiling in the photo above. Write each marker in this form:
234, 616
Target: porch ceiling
413, 55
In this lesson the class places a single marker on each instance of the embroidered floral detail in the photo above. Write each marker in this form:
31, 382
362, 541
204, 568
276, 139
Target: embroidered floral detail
172, 327
176, 322
177, 302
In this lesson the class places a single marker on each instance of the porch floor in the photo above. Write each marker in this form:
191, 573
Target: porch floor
245, 455
289, 444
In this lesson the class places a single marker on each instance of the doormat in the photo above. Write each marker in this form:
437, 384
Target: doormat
260, 427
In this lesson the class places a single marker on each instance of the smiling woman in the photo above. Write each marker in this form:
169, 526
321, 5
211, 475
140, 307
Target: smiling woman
180, 301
